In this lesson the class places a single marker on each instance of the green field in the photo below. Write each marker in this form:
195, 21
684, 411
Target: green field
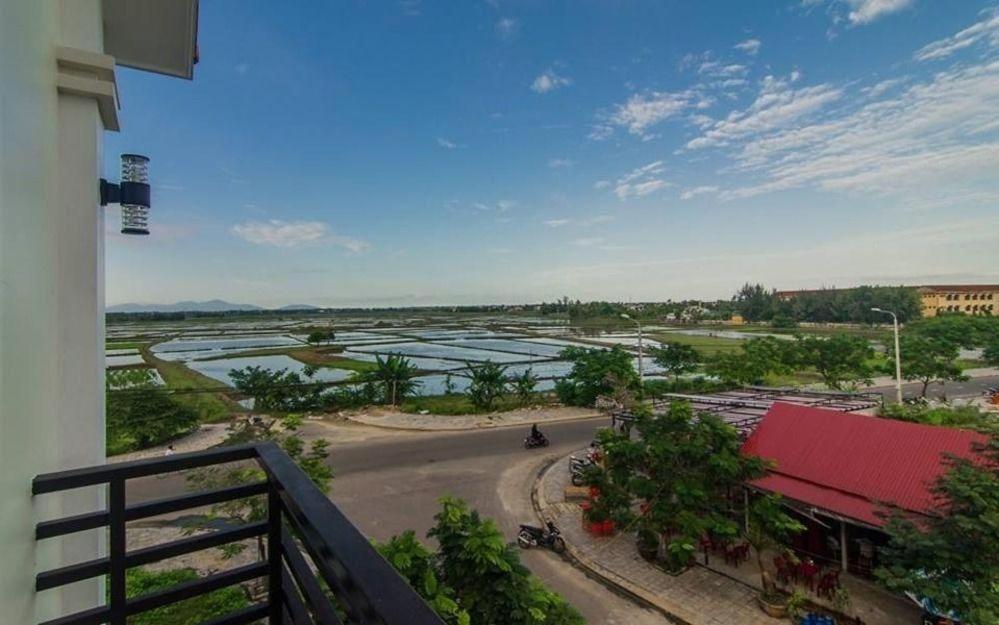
212, 407
126, 345
705, 345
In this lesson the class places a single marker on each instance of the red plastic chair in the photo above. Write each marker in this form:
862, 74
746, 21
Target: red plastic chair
807, 570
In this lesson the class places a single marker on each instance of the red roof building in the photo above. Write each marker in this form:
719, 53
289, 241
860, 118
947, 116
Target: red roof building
852, 465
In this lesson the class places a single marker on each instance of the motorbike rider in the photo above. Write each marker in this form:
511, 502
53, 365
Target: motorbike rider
535, 432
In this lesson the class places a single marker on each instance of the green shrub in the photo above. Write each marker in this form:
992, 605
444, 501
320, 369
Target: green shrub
192, 611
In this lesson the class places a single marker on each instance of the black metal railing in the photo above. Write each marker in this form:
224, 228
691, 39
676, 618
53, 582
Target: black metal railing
302, 524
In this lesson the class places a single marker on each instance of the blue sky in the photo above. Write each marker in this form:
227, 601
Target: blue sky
415, 152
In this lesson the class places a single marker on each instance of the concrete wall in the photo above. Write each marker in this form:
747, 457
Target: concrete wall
51, 299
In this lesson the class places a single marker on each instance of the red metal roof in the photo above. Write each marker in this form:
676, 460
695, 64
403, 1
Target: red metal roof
851, 464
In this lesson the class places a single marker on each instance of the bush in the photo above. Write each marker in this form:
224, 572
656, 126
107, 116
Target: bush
192, 611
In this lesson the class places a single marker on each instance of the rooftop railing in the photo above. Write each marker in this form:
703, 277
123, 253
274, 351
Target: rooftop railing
302, 524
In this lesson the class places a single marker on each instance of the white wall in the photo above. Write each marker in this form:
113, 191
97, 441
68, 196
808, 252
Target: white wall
51, 299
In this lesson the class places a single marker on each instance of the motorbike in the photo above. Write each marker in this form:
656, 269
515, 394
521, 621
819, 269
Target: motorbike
530, 442
577, 469
550, 537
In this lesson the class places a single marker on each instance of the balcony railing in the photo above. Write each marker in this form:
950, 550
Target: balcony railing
361, 587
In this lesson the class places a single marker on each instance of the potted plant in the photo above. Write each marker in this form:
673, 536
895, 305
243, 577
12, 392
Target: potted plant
771, 528
648, 544
795, 606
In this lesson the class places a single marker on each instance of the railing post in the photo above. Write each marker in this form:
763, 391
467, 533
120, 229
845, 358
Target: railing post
117, 548
274, 594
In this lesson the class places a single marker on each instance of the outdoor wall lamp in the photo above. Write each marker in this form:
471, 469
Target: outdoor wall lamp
132, 193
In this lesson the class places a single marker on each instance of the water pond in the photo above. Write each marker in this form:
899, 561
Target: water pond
219, 369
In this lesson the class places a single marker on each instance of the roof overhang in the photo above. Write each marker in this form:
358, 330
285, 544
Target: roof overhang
158, 36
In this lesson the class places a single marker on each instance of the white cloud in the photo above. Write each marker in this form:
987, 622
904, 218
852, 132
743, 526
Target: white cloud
559, 163
601, 184
642, 181
501, 206
936, 133
549, 81
597, 219
448, 144
692, 193
777, 106
507, 27
599, 132
986, 30
866, 11
588, 241
749, 46
884, 86
291, 234
643, 111
719, 70
557, 223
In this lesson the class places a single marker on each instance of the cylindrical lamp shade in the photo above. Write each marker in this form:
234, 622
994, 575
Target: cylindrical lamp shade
134, 194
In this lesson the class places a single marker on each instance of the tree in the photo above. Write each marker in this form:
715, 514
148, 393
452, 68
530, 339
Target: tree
676, 358
320, 336
991, 352
682, 470
488, 383
418, 566
270, 389
841, 359
396, 374
312, 459
141, 414
928, 360
769, 527
486, 574
595, 372
951, 558
967, 331
524, 385
755, 303
756, 359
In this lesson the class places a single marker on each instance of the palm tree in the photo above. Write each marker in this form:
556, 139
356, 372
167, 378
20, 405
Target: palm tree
488, 383
396, 373
524, 384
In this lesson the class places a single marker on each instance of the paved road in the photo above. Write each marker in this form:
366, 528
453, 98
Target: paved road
387, 482
971, 388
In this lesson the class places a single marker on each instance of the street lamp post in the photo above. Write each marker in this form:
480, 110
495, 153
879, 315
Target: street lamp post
898, 354
641, 376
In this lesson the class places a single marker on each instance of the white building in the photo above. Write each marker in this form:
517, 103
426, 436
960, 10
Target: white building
58, 96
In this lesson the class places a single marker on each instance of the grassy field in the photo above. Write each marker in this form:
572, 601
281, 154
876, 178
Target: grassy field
211, 407
324, 357
126, 345
705, 345
867, 332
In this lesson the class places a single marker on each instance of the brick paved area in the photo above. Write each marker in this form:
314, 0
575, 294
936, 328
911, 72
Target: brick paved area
698, 597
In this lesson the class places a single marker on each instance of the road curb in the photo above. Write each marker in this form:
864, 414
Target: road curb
399, 428
594, 571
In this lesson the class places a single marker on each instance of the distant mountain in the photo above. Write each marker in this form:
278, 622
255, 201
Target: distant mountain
299, 307
215, 305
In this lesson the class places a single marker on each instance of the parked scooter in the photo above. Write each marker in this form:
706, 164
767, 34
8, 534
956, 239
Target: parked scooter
550, 537
577, 469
